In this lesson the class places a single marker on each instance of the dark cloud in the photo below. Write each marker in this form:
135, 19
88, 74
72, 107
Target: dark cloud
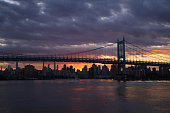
49, 26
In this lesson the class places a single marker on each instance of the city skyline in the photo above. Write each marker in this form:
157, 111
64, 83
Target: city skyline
29, 72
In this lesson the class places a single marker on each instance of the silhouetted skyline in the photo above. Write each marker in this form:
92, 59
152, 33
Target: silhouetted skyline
139, 72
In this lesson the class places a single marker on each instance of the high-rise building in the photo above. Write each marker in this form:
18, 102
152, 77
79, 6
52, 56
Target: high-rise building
64, 67
57, 67
16, 65
84, 68
9, 68
43, 64
113, 70
54, 66
48, 66
99, 70
105, 70
93, 71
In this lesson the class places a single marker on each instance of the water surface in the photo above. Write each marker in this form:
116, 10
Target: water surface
84, 96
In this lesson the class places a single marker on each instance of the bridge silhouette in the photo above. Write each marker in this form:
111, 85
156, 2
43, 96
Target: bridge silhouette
125, 54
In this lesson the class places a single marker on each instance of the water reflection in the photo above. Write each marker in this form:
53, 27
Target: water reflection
84, 96
121, 91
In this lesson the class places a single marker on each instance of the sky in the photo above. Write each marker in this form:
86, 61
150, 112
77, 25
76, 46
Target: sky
61, 26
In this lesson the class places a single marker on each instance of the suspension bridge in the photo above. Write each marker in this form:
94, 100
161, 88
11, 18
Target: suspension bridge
121, 53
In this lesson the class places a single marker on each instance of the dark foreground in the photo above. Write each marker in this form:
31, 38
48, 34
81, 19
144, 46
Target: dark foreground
84, 96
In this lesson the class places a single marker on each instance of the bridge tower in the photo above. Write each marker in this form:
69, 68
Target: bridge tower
121, 73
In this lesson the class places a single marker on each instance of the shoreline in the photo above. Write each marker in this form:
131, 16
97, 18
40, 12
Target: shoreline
83, 79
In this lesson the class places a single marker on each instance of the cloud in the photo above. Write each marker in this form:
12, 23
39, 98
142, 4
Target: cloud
45, 26
11, 2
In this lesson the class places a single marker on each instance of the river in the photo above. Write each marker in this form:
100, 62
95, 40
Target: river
84, 96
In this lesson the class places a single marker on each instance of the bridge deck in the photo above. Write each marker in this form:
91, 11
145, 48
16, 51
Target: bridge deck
69, 59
